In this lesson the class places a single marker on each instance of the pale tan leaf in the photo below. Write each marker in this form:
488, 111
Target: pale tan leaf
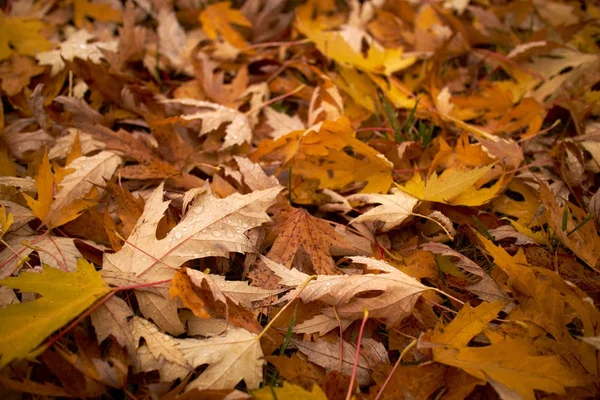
232, 357
171, 35
321, 324
57, 252
159, 308
168, 371
111, 319
76, 46
240, 293
394, 208
211, 227
398, 291
254, 176
25, 184
159, 344
20, 143
214, 115
206, 327
63, 144
281, 123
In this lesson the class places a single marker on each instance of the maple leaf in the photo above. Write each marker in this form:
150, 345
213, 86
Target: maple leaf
281, 123
240, 293
233, 356
159, 344
217, 19
543, 299
111, 319
497, 362
289, 391
76, 46
321, 324
20, 215
65, 295
329, 153
454, 187
399, 292
17, 73
99, 11
487, 289
254, 176
294, 228
54, 251
213, 116
6, 220
327, 354
334, 45
211, 227
22, 34
44, 182
83, 175
394, 208
89, 172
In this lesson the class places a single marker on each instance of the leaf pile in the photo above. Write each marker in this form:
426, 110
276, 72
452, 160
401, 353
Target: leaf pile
319, 199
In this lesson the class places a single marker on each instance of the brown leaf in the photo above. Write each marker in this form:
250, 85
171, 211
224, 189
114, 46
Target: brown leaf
297, 370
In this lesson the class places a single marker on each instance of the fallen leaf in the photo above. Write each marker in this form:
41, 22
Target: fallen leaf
524, 374
76, 46
399, 292
394, 208
327, 354
333, 44
217, 18
234, 356
318, 153
454, 187
22, 34
17, 73
64, 296
99, 11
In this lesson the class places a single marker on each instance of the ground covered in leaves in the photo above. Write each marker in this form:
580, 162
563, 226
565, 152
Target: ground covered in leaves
316, 199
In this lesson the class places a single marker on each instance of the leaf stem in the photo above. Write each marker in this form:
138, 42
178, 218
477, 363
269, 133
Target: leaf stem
357, 354
387, 380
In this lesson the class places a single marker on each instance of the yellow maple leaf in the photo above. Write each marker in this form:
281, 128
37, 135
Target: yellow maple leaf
511, 363
217, 19
99, 12
453, 186
6, 220
333, 45
44, 182
77, 187
65, 295
22, 34
332, 156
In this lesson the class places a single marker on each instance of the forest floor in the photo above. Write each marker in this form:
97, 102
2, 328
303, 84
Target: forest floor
319, 199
